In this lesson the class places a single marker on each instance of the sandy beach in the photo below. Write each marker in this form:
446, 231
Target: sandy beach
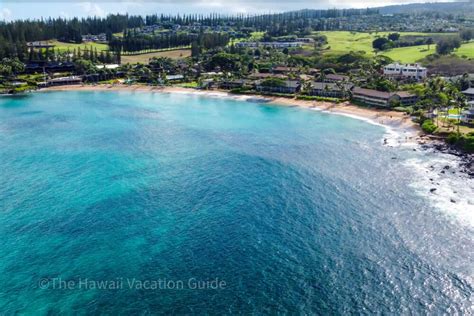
388, 118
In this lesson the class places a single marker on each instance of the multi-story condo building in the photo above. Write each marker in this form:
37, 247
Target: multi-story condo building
383, 99
408, 71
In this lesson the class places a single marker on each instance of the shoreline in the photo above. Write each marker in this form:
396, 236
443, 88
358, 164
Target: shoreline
385, 118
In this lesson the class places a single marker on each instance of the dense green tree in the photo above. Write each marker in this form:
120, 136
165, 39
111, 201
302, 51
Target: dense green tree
463, 82
393, 36
380, 43
225, 61
195, 49
447, 45
467, 34
11, 66
84, 67
273, 82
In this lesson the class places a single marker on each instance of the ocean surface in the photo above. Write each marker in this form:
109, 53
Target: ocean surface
195, 204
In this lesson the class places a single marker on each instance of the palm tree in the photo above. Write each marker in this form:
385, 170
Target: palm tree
322, 75
326, 89
435, 93
461, 102
306, 87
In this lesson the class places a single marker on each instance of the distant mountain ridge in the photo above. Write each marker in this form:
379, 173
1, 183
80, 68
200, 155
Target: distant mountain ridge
442, 7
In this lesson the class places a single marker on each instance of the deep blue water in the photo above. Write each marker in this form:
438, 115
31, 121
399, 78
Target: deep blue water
296, 211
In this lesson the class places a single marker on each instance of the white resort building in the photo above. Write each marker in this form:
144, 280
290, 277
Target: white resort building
408, 71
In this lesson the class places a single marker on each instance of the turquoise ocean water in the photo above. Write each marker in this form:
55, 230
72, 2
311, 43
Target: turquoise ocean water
296, 211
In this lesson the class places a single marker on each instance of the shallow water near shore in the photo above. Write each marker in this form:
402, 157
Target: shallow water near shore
297, 211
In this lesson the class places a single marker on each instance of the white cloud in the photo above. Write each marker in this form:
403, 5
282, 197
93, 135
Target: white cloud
92, 9
5, 14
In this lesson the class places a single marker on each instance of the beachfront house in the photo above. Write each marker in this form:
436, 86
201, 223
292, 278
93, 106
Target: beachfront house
278, 86
333, 90
232, 84
469, 93
467, 116
174, 77
407, 71
206, 84
61, 81
383, 99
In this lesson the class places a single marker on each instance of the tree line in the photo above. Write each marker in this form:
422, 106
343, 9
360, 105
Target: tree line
15, 34
91, 54
132, 42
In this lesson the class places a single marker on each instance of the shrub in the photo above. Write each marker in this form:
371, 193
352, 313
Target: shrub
468, 142
381, 43
317, 98
428, 127
405, 109
239, 90
275, 94
21, 89
464, 142
453, 138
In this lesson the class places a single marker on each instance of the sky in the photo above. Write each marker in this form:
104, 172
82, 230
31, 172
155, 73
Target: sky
30, 9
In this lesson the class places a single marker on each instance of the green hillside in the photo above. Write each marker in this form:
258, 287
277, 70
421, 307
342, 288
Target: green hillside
341, 42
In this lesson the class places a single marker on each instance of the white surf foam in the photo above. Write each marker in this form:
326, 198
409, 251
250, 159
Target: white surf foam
454, 189
437, 177
392, 137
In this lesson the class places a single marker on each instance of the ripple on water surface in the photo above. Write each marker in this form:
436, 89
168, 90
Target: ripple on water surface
297, 211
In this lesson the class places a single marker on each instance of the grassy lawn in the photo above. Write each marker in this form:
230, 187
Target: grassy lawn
144, 58
192, 84
256, 36
466, 50
448, 126
71, 46
409, 54
341, 42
